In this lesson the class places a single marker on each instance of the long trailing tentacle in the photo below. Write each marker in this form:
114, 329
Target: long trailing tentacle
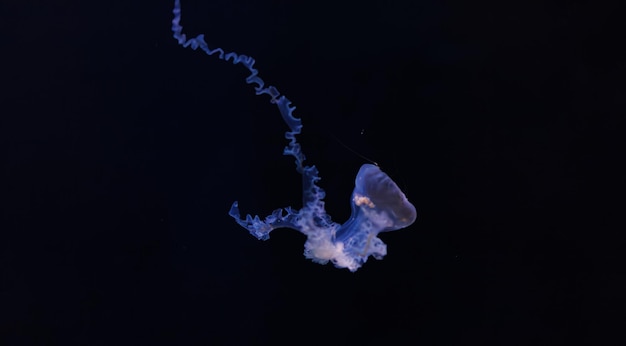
313, 195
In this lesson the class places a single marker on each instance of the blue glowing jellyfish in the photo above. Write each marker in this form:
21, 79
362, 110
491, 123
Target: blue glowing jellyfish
378, 205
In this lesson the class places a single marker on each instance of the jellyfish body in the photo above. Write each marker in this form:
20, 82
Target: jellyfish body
378, 204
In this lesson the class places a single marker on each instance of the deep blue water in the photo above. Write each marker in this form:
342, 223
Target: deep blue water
122, 152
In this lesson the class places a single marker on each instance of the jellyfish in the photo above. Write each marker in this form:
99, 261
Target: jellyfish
378, 205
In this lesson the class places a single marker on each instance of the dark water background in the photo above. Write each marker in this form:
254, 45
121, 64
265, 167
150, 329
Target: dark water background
121, 153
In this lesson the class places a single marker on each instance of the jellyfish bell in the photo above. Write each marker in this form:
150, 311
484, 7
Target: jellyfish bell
384, 196
378, 205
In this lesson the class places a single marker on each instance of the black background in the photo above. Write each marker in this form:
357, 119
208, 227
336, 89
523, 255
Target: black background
122, 153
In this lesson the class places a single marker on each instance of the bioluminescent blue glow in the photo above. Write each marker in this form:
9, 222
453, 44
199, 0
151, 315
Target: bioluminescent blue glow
378, 205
